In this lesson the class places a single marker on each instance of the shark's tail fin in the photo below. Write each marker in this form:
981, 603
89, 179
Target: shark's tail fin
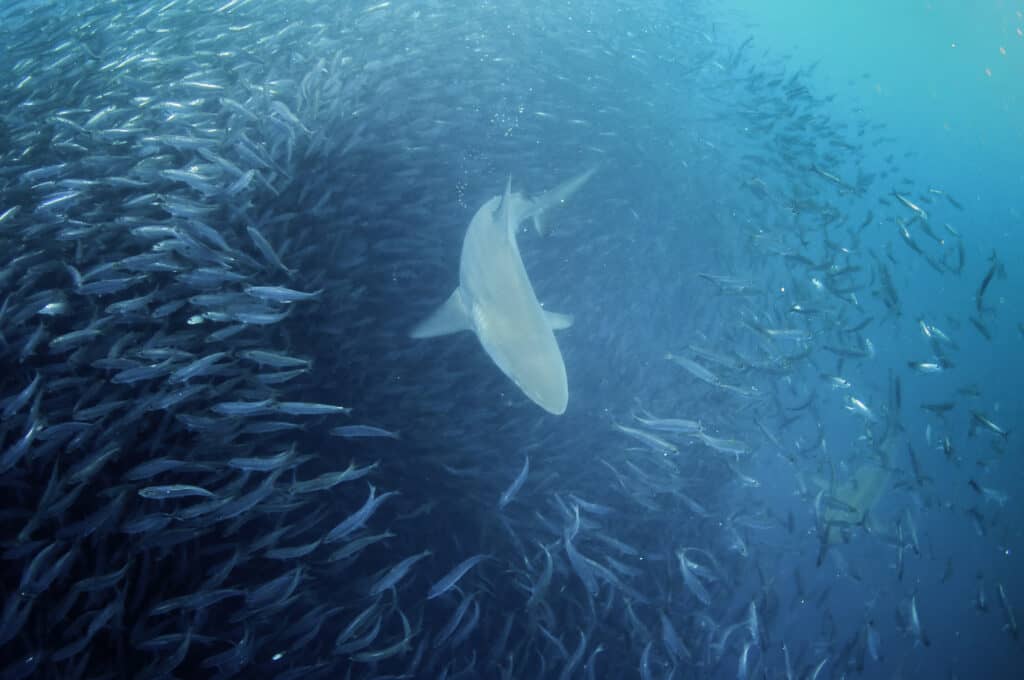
555, 197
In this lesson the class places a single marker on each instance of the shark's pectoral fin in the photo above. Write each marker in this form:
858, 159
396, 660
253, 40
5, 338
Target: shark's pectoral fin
451, 317
538, 225
558, 322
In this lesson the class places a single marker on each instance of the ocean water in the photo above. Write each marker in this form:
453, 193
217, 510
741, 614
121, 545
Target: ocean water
787, 238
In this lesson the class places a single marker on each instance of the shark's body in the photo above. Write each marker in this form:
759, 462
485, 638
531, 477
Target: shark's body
496, 301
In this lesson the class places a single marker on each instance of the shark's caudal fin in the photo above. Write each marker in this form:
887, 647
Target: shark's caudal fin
538, 205
451, 317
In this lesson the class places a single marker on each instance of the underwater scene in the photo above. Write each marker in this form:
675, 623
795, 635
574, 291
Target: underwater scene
511, 340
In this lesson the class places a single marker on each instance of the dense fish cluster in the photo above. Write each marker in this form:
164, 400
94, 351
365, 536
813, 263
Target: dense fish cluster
222, 455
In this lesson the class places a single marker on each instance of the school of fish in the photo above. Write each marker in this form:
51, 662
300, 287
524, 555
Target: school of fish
226, 452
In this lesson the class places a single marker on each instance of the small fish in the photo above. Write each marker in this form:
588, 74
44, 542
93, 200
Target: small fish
270, 256
74, 339
816, 671
195, 369
281, 294
918, 210
395, 574
694, 369
985, 422
581, 565
672, 641
928, 366
675, 425
690, 579
274, 359
175, 491
981, 600
836, 381
830, 177
742, 672
855, 405
744, 479
940, 407
448, 581
9, 213
151, 468
301, 408
914, 622
16, 402
908, 238
362, 432
651, 440
262, 464
508, 494
402, 645
329, 480
995, 267
356, 546
980, 326
244, 408
874, 641
357, 519
258, 318
1011, 619
733, 446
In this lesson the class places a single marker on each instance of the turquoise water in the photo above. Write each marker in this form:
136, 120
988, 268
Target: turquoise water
947, 77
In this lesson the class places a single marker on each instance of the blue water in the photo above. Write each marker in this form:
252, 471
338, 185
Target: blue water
945, 79
750, 162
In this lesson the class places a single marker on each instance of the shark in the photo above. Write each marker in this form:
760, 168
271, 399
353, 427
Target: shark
496, 301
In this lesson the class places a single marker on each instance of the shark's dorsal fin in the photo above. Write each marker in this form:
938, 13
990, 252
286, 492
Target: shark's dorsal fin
506, 218
451, 317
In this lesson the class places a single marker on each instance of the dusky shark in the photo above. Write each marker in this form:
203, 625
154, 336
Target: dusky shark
495, 299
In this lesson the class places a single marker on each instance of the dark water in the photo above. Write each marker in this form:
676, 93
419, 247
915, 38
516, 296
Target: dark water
220, 224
